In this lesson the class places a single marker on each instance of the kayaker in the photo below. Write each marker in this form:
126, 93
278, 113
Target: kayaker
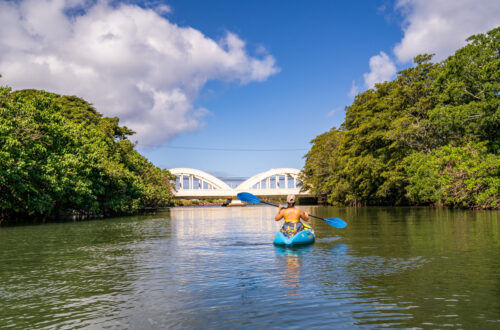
292, 217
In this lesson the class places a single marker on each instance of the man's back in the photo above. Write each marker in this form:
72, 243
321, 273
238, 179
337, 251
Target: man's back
292, 214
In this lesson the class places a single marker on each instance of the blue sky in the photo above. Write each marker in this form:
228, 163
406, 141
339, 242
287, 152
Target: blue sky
232, 75
321, 47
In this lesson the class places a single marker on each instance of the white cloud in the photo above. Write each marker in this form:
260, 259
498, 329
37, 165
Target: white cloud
163, 9
441, 26
128, 61
354, 90
381, 69
333, 111
434, 27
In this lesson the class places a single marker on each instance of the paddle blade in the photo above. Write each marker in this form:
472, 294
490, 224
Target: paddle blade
248, 197
336, 222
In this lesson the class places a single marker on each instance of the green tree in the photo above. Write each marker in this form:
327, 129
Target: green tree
465, 176
390, 131
468, 86
59, 155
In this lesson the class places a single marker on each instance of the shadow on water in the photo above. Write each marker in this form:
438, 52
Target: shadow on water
296, 251
327, 240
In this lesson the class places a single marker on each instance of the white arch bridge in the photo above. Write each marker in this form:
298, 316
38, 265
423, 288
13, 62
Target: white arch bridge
192, 183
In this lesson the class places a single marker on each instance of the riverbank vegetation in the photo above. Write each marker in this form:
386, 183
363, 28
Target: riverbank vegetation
59, 156
200, 202
430, 136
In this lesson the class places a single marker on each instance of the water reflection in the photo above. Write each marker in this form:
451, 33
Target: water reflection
208, 221
57, 274
217, 268
290, 260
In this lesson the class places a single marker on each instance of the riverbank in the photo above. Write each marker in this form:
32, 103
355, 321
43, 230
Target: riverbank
200, 202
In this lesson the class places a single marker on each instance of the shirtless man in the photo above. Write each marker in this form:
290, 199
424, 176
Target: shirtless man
292, 217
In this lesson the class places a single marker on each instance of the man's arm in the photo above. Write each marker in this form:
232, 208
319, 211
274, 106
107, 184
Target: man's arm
304, 216
279, 215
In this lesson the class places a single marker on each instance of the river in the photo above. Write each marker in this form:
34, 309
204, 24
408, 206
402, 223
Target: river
214, 267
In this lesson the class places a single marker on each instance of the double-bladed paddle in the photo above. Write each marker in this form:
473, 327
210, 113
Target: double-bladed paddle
251, 198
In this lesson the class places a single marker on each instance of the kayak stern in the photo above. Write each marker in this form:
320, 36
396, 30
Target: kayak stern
301, 238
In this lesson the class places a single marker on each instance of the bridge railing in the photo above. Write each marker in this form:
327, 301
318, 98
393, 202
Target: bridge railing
277, 182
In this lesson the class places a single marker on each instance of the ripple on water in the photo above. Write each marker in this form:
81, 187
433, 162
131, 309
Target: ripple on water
210, 269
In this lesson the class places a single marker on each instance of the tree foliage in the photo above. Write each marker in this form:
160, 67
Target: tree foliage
466, 176
59, 155
430, 136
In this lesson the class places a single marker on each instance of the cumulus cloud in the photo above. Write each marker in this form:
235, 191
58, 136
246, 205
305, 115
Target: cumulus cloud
381, 69
441, 26
128, 61
434, 27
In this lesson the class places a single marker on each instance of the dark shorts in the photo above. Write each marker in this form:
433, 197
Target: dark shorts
291, 228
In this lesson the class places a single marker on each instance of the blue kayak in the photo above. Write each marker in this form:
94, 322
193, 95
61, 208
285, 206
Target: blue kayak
301, 238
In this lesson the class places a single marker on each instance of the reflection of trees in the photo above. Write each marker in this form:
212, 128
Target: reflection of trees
59, 273
412, 266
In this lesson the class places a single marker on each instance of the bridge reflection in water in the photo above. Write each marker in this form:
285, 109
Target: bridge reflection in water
199, 222
193, 183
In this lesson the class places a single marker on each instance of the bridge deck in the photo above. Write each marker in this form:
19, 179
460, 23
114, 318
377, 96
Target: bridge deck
205, 193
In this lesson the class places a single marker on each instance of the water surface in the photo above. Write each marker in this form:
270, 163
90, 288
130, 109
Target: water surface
216, 267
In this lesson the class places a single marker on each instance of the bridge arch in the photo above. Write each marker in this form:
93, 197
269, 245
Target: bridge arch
202, 177
192, 183
264, 179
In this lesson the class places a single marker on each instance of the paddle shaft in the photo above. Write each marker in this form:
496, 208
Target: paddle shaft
269, 204
316, 217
